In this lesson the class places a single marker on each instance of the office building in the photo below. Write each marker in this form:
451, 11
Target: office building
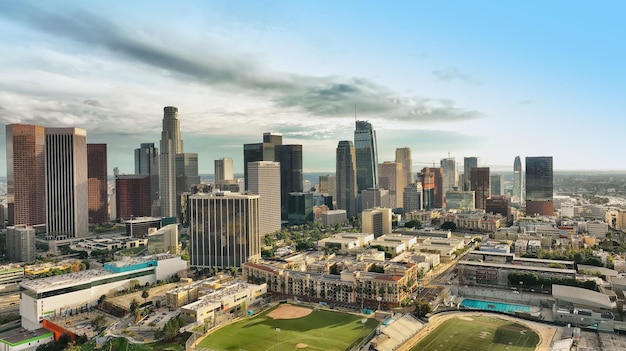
300, 208
224, 230
517, 180
499, 204
147, 162
26, 175
346, 177
171, 144
432, 184
328, 185
97, 183
403, 156
450, 174
480, 186
391, 177
223, 170
366, 156
539, 186
264, 180
67, 214
20, 243
133, 196
497, 184
290, 159
264, 151
468, 164
374, 197
457, 199
334, 217
376, 221
413, 197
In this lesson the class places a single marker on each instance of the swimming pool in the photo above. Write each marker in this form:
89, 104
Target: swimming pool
494, 306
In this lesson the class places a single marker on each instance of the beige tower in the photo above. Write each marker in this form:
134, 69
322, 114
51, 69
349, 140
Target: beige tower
264, 180
403, 156
392, 178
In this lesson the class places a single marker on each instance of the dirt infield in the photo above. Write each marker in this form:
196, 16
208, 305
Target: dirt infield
287, 311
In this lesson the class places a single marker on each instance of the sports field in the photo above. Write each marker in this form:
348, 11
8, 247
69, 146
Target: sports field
289, 329
479, 333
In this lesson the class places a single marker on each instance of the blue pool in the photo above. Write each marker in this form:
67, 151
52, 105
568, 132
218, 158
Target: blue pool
494, 306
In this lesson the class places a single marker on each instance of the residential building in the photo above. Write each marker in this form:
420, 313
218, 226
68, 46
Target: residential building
97, 183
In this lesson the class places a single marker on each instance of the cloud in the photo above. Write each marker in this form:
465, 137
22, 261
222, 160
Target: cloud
452, 73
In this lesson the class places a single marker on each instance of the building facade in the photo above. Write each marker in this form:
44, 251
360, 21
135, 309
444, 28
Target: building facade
468, 164
290, 159
223, 170
413, 197
97, 183
366, 156
403, 156
480, 186
346, 177
171, 144
391, 177
264, 180
20, 243
450, 174
133, 196
517, 180
147, 162
432, 184
539, 186
497, 184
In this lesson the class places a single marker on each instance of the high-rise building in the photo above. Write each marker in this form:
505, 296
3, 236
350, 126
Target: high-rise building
346, 177
20, 243
132, 196
432, 179
366, 156
499, 204
375, 197
300, 208
186, 169
171, 144
264, 151
264, 180
224, 230
457, 199
413, 197
497, 184
223, 170
517, 180
480, 186
97, 183
376, 221
328, 185
26, 174
290, 159
468, 164
147, 162
539, 186
67, 212
450, 174
392, 177
403, 156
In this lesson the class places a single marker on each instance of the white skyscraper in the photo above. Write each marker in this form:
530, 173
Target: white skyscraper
223, 169
450, 174
264, 180
67, 213
171, 144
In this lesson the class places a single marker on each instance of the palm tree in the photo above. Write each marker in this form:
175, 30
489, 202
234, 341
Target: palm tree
144, 295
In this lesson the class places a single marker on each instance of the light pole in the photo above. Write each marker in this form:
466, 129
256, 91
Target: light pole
363, 321
277, 339
379, 299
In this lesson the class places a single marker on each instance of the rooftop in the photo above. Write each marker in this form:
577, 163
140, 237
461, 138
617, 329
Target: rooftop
581, 296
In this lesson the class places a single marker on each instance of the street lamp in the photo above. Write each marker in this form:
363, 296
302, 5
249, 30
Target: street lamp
379, 299
277, 339
363, 321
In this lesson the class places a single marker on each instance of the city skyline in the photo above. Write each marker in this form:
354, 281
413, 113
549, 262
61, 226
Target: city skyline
470, 84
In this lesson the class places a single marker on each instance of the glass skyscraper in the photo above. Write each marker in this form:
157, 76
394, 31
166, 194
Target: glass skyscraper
366, 156
539, 186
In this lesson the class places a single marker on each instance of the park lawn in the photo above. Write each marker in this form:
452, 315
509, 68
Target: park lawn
320, 330
479, 333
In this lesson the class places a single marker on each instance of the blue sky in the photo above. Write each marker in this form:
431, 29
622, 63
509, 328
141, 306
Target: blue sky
478, 78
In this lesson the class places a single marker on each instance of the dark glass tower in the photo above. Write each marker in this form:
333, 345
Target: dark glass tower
346, 177
366, 156
290, 158
147, 162
539, 186
468, 164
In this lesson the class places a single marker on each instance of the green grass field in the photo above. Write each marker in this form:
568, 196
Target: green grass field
479, 333
320, 330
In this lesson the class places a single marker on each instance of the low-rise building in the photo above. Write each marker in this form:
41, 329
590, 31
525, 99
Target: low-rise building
334, 217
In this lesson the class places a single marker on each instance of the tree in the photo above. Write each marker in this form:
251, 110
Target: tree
448, 226
134, 309
98, 322
413, 224
144, 295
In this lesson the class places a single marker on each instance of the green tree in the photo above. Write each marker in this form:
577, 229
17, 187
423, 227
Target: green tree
98, 322
448, 226
145, 294
413, 224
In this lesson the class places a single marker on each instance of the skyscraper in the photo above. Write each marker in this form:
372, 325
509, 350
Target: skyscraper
539, 186
26, 174
67, 212
290, 159
97, 183
346, 177
432, 179
450, 174
413, 195
132, 196
264, 151
186, 170
517, 180
468, 164
366, 156
328, 185
497, 184
223, 169
20, 243
171, 144
224, 230
147, 162
391, 177
480, 186
403, 156
264, 180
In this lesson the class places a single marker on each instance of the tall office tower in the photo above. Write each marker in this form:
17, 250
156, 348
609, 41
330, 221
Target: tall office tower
517, 180
20, 243
290, 159
497, 184
457, 199
392, 177
500, 204
328, 185
132, 196
300, 208
468, 164
186, 170
67, 212
26, 174
147, 162
97, 183
366, 156
432, 181
374, 197
264, 180
450, 174
224, 230
346, 177
223, 170
480, 186
403, 156
413, 197
264, 151
539, 186
171, 144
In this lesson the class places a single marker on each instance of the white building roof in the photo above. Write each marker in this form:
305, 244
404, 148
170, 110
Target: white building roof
581, 296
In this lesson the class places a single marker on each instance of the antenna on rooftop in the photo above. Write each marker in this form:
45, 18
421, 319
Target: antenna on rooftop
354, 113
